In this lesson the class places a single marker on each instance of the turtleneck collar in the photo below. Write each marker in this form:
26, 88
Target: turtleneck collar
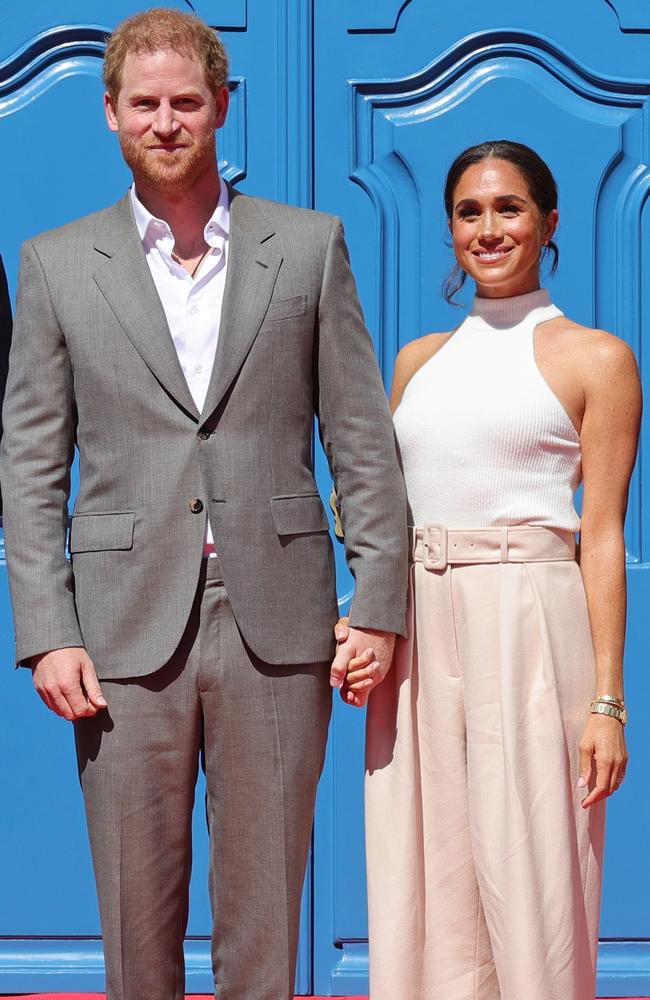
511, 311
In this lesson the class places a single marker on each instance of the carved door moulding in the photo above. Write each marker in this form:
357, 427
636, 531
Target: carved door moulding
383, 109
633, 15
373, 16
227, 16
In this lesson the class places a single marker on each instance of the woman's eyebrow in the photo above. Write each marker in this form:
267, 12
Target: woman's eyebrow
500, 197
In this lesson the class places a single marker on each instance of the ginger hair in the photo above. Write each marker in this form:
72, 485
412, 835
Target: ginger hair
165, 29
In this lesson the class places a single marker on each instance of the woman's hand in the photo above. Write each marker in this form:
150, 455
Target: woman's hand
364, 671
602, 746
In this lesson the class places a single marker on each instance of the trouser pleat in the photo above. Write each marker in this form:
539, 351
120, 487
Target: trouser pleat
261, 732
483, 870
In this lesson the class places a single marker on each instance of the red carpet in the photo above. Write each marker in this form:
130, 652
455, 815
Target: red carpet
193, 996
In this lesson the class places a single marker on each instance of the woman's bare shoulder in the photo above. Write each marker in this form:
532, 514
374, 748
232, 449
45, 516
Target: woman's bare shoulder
411, 358
597, 350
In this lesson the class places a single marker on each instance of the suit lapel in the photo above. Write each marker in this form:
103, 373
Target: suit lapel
125, 281
252, 272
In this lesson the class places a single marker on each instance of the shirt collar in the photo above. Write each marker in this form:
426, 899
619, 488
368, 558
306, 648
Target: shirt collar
152, 229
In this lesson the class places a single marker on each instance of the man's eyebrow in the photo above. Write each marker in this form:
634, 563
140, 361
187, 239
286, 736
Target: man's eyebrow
149, 95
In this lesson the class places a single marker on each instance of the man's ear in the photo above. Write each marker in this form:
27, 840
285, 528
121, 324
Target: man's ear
222, 101
110, 110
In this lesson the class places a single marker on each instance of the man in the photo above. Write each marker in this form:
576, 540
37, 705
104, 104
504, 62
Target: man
184, 339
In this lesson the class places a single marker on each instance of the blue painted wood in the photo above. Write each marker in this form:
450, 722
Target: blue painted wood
375, 15
31, 19
405, 103
623, 969
633, 15
54, 966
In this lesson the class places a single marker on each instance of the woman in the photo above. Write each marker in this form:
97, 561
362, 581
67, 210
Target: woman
496, 737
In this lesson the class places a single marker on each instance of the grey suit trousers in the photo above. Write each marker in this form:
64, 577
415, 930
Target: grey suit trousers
261, 732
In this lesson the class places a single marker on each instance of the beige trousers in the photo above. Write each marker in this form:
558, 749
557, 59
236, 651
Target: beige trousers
484, 872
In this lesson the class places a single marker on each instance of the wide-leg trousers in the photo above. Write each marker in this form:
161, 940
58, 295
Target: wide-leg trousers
484, 872
261, 733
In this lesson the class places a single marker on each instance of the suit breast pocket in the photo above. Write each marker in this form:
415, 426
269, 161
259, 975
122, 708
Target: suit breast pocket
102, 532
284, 309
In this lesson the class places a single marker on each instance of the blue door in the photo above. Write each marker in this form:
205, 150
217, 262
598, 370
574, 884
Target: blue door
355, 107
400, 88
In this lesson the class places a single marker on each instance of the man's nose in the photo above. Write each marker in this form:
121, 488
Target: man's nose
164, 122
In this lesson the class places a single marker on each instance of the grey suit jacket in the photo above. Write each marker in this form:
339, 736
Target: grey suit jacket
93, 364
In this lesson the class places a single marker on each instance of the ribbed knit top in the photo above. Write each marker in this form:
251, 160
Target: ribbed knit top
483, 438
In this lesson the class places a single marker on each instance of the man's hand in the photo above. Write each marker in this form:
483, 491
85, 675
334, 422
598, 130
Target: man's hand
362, 660
66, 681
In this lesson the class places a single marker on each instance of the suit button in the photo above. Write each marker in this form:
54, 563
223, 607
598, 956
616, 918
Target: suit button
204, 435
196, 506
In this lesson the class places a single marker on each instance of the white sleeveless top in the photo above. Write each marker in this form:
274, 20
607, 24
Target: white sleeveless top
483, 438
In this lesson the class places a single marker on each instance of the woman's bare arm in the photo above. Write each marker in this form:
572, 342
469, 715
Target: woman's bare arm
609, 437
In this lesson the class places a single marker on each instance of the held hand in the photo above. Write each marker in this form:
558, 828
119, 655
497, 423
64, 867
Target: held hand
602, 746
362, 660
66, 681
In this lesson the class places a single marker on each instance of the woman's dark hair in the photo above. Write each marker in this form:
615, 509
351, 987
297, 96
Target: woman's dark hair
538, 177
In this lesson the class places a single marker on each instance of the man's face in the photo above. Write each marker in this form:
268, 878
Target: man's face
165, 115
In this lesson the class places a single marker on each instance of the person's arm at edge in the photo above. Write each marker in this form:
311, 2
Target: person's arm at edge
36, 456
609, 436
359, 441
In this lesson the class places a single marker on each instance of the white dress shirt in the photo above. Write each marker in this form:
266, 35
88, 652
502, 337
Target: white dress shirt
192, 304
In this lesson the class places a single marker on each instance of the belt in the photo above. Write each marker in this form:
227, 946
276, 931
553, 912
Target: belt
436, 546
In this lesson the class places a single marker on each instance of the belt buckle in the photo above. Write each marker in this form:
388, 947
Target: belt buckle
430, 559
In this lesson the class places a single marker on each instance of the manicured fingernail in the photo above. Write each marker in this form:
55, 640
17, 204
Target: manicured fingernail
102, 701
582, 781
338, 634
369, 652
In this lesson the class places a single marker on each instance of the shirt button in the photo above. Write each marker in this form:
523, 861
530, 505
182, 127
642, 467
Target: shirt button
194, 310
198, 369
196, 506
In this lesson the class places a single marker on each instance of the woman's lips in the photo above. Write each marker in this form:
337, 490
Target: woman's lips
492, 256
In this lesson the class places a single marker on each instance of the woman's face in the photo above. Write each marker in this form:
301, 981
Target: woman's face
498, 230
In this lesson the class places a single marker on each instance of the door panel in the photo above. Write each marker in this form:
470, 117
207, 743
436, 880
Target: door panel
413, 87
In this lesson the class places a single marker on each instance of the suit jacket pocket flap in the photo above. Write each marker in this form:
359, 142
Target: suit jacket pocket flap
299, 515
286, 308
102, 532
